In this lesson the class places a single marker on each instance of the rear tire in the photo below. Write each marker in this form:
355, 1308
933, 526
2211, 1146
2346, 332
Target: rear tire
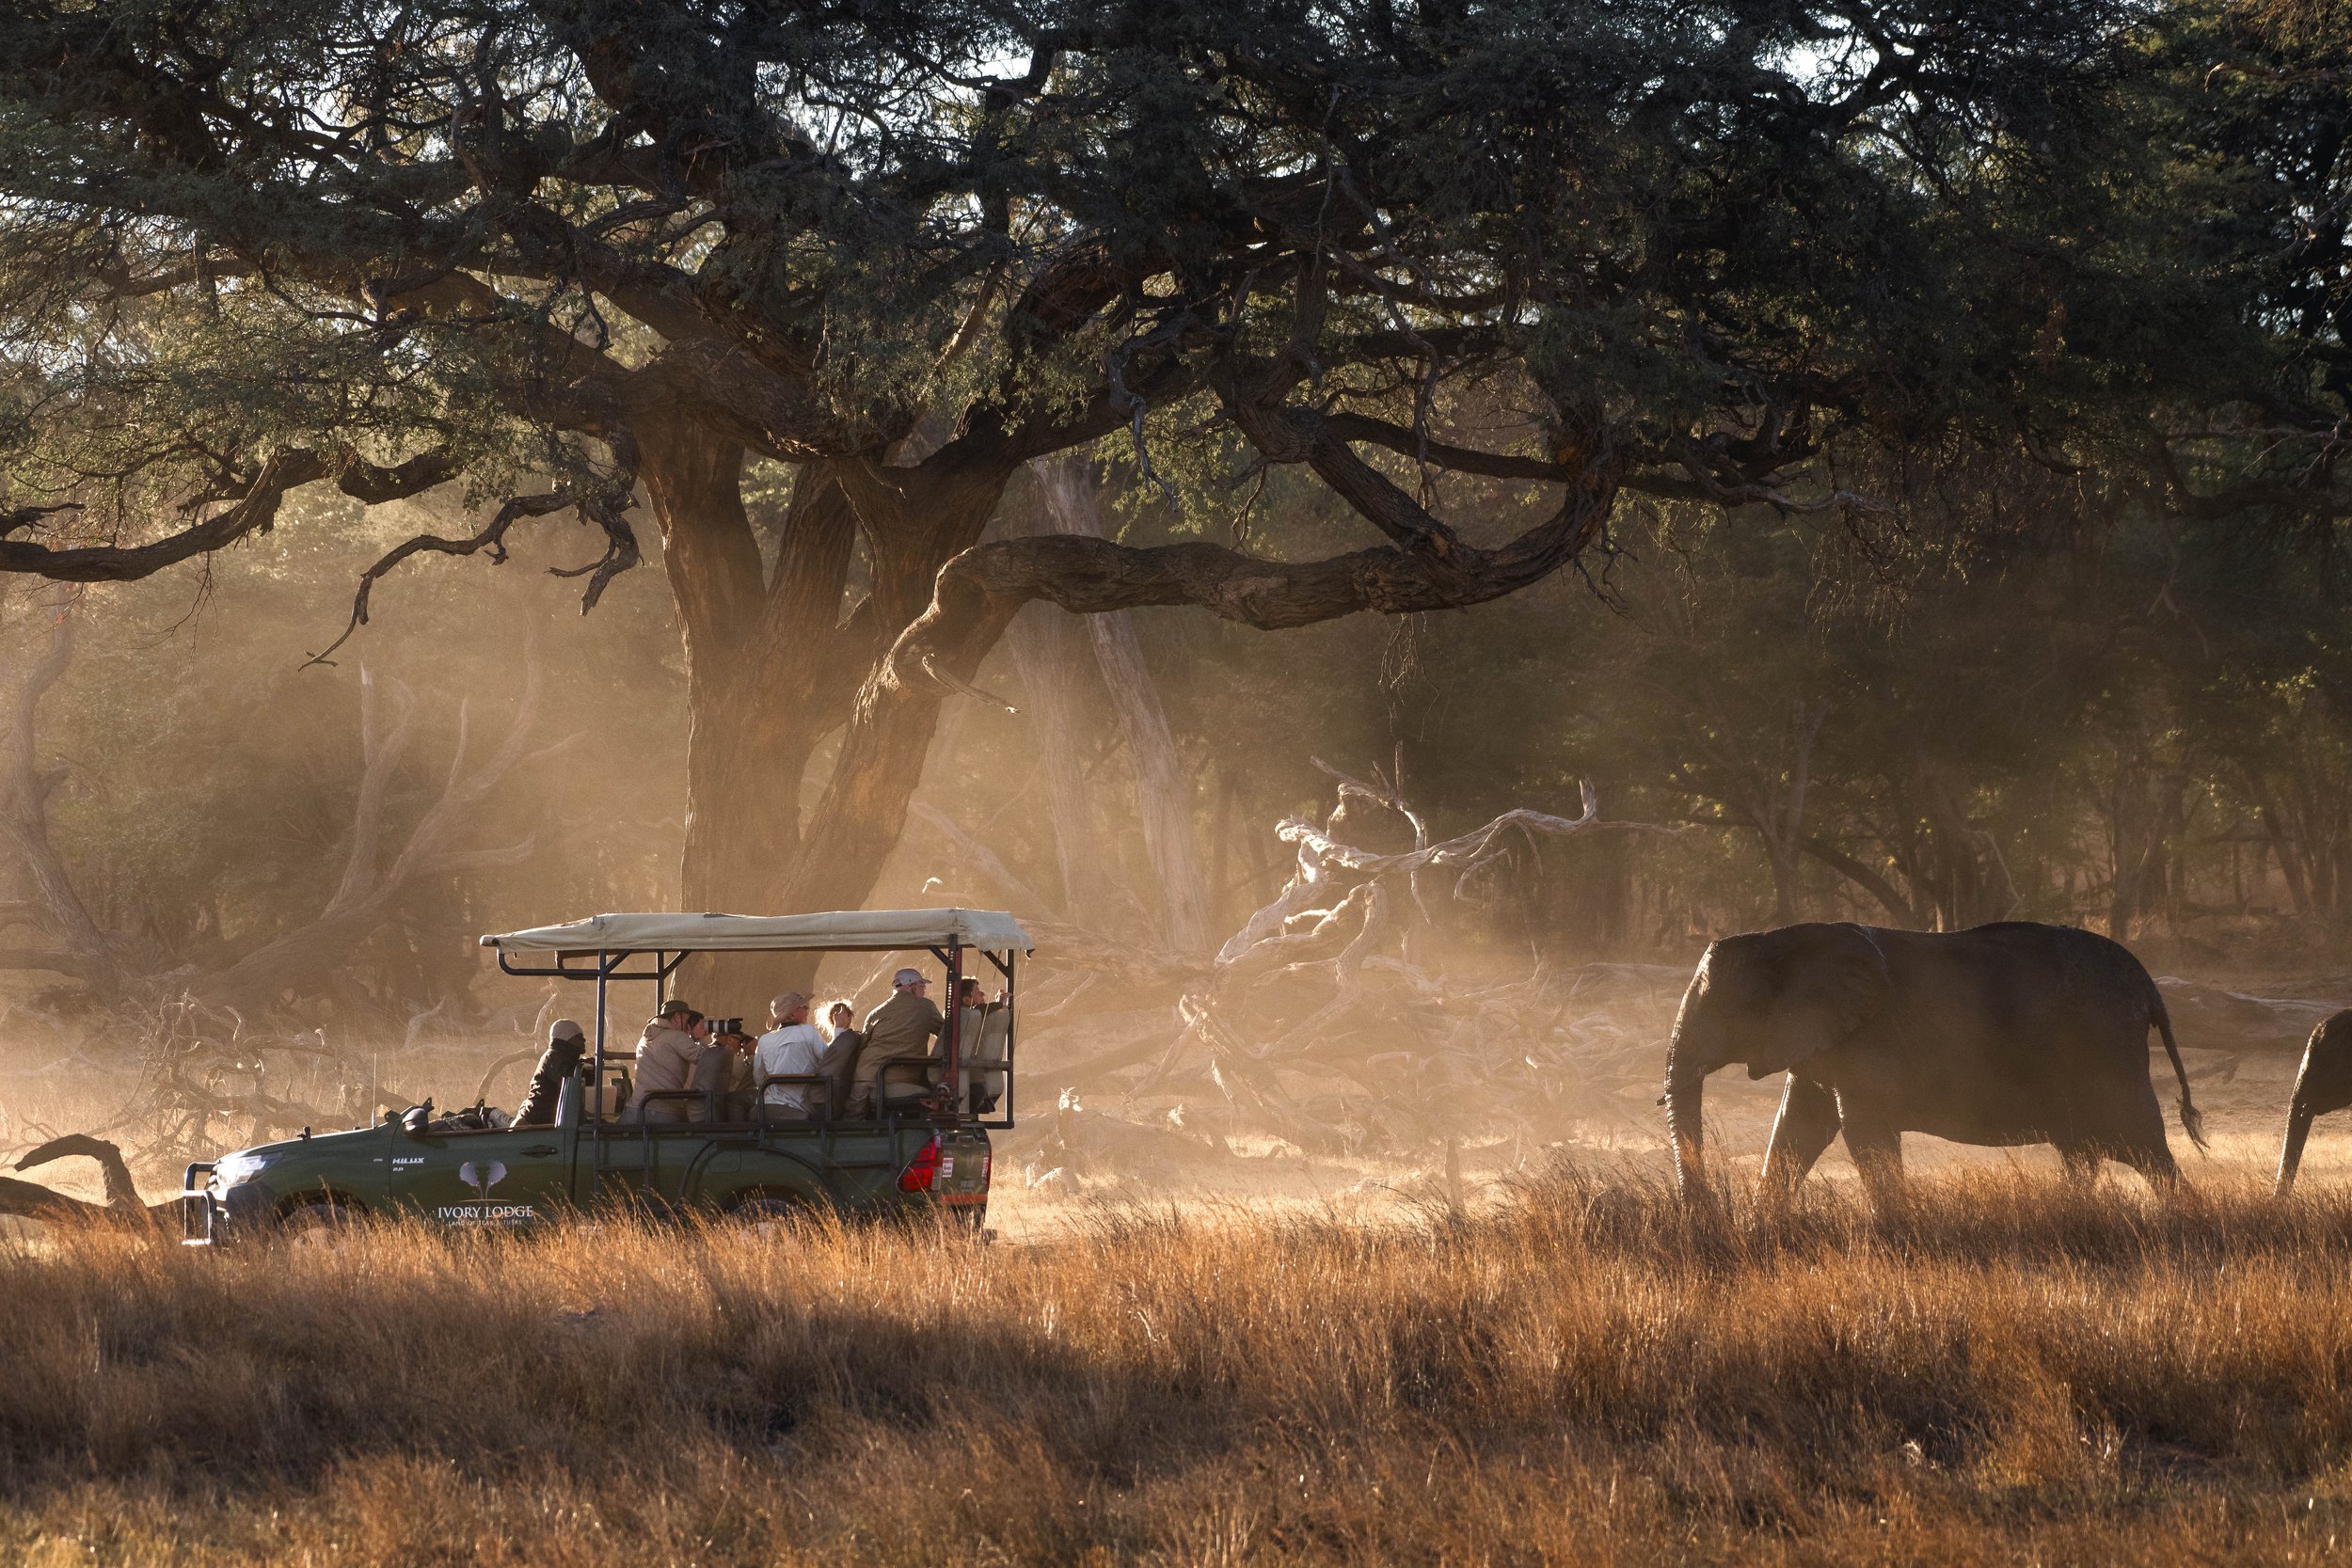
321, 1221
768, 1214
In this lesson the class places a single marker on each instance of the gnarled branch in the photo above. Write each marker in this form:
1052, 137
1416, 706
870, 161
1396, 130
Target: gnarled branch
979, 591
254, 511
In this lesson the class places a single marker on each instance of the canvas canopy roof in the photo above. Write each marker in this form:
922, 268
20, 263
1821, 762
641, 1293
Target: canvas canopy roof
845, 930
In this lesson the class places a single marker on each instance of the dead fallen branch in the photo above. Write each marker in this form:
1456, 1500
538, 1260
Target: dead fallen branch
31, 1201
1317, 1021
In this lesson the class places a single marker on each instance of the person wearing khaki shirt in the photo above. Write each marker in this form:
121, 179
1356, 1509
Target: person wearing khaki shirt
667, 1054
906, 1025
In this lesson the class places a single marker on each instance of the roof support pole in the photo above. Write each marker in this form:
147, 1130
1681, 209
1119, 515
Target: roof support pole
596, 1113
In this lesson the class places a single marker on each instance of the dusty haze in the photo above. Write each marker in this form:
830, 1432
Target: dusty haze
1118, 783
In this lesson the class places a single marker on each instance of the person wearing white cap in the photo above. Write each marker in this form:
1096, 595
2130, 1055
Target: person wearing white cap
906, 1025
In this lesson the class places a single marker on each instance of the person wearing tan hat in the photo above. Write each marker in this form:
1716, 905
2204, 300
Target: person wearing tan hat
667, 1053
566, 1043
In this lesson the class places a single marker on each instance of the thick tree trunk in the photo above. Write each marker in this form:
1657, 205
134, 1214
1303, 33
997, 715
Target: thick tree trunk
1046, 650
745, 751
888, 711
1163, 799
2290, 864
769, 668
75, 943
1782, 859
2141, 809
776, 663
1889, 896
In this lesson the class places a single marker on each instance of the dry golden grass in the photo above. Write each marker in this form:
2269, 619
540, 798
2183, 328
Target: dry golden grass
2011, 1370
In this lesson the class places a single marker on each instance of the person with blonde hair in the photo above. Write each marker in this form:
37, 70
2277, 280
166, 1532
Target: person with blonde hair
839, 1062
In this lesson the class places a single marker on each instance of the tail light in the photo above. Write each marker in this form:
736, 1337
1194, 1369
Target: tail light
920, 1170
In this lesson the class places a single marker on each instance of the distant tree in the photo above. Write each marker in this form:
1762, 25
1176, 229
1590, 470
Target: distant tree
1720, 252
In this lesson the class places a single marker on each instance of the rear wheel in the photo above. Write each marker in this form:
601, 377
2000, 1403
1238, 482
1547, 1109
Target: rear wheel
770, 1214
320, 1221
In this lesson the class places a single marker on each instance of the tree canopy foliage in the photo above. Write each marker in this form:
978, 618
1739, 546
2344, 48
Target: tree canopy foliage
1907, 265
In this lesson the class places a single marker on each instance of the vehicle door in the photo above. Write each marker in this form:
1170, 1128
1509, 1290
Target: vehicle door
623, 1165
514, 1178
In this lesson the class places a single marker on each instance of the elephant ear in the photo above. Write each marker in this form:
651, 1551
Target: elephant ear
1825, 981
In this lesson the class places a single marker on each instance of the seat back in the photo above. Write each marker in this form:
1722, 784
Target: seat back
710, 1080
984, 1059
839, 1061
619, 1103
902, 1082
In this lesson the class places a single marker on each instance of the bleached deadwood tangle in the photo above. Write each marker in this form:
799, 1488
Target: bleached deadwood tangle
1320, 1021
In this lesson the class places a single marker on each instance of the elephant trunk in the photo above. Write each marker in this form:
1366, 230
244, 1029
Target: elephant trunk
2291, 1147
1686, 1082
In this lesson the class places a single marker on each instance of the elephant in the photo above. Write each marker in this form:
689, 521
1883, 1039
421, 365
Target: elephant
2322, 1083
2011, 1033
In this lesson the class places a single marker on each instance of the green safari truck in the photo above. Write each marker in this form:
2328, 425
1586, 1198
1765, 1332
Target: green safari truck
923, 1151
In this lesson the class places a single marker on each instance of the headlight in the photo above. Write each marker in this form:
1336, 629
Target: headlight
235, 1168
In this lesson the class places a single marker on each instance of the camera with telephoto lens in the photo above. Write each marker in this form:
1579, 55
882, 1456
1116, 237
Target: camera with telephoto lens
726, 1026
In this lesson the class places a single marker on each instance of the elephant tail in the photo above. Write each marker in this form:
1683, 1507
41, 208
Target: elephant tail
2192, 1122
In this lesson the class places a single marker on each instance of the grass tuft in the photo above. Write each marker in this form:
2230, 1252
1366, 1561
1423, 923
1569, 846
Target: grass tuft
2007, 1368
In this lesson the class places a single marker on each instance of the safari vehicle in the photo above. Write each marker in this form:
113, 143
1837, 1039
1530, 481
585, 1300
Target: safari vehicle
467, 1170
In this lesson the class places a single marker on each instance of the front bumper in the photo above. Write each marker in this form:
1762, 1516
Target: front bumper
209, 1216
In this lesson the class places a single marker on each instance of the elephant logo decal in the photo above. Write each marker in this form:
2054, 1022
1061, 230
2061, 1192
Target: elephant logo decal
481, 1178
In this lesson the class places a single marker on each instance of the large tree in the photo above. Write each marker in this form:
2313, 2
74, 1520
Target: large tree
569, 254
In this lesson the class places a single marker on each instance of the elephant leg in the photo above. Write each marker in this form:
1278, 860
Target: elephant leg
1878, 1154
2133, 1131
2154, 1162
1807, 1121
